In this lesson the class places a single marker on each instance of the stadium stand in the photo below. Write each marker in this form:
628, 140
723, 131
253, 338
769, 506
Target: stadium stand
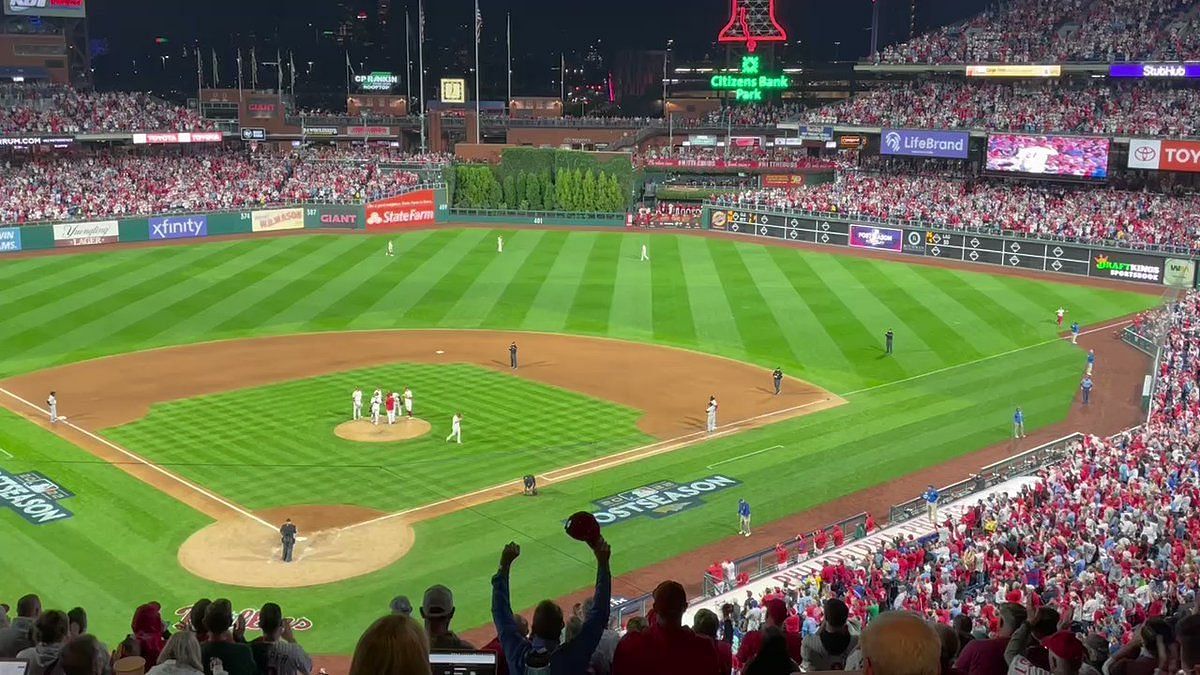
57, 109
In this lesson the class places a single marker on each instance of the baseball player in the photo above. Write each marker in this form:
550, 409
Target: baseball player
376, 401
743, 517
1074, 332
356, 397
1018, 424
512, 355
1091, 360
408, 402
456, 428
52, 404
645, 252
889, 337
1059, 316
711, 412
499, 244
392, 403
777, 377
391, 249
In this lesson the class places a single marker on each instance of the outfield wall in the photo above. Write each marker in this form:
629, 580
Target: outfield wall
1005, 250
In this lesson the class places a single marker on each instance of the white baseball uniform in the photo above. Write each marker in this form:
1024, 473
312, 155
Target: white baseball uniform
712, 415
455, 428
645, 252
408, 401
52, 403
499, 244
376, 401
391, 250
356, 397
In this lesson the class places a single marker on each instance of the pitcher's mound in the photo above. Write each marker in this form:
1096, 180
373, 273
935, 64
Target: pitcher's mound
330, 547
363, 431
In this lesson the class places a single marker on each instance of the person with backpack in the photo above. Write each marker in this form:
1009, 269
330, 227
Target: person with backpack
833, 643
542, 653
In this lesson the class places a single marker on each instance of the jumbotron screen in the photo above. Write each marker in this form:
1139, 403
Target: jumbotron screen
1068, 156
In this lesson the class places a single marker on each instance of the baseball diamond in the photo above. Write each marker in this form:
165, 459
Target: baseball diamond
215, 419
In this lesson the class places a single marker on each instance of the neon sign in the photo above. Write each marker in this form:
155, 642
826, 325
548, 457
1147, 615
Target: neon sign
752, 22
750, 84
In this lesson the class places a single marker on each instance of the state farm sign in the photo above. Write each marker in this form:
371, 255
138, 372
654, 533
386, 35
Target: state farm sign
412, 209
1164, 155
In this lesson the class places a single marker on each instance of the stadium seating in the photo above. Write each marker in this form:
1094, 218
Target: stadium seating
57, 109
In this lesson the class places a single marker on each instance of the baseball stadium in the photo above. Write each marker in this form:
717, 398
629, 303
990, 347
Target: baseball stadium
877, 359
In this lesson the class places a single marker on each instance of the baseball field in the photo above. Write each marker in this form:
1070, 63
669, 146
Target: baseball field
203, 384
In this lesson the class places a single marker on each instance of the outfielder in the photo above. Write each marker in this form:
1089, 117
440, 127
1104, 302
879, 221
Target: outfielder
376, 401
52, 404
456, 428
499, 244
645, 252
408, 402
391, 249
711, 412
356, 397
393, 402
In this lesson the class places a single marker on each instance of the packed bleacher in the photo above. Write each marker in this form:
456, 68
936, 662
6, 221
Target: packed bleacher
1085, 213
797, 157
160, 180
1139, 108
1057, 31
58, 109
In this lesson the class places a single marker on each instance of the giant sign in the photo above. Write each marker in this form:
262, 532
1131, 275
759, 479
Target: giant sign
10, 239
67, 9
412, 209
922, 143
1164, 155
658, 500
86, 234
33, 497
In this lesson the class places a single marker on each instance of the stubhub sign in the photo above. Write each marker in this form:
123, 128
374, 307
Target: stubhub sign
412, 209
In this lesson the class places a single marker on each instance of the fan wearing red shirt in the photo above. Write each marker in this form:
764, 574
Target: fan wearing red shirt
775, 617
781, 556
986, 657
666, 646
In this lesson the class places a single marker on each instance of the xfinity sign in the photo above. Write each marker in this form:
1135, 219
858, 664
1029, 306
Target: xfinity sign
69, 9
921, 143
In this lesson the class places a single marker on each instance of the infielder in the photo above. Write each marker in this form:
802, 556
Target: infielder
1074, 332
356, 397
1059, 316
393, 402
711, 412
456, 428
52, 404
408, 402
1018, 424
1091, 361
512, 355
743, 517
376, 401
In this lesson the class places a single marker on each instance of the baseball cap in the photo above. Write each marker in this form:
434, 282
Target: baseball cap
438, 603
777, 610
670, 600
401, 605
1065, 646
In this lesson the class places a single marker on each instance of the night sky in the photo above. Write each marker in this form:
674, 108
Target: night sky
124, 31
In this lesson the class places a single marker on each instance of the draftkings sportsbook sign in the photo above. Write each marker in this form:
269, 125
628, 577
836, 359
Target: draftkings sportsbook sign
34, 497
659, 500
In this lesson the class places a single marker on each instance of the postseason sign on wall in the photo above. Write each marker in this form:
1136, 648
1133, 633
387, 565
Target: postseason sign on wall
86, 234
884, 238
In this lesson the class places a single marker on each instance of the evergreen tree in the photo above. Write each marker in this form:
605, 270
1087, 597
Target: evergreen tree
533, 192
548, 193
589, 202
510, 192
562, 190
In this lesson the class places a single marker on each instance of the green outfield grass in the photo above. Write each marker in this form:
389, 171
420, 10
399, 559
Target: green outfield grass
970, 346
252, 447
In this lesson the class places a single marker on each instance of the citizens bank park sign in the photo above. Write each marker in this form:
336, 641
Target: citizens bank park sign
34, 497
659, 500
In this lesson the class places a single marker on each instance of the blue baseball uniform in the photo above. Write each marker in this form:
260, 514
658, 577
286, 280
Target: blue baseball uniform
744, 517
931, 503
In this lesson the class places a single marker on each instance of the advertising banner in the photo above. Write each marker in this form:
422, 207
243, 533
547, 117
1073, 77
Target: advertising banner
377, 81
454, 90
67, 9
254, 134
368, 131
86, 234
1014, 71
1180, 273
922, 143
183, 137
914, 242
702, 140
340, 217
178, 227
412, 209
319, 131
1164, 155
36, 141
275, 220
783, 180
10, 239
883, 238
1155, 70
1126, 266
748, 164
261, 108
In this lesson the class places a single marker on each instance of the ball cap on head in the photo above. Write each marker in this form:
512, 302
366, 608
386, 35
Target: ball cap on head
670, 600
402, 605
583, 527
1065, 646
777, 610
438, 603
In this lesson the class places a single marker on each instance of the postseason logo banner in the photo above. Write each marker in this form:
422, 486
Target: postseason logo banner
879, 238
34, 497
921, 143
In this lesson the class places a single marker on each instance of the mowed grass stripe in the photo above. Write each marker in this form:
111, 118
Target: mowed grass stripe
806, 340
631, 314
965, 321
711, 313
881, 281
988, 308
211, 297
514, 302
409, 292
760, 333
590, 309
377, 275
269, 291
430, 308
493, 280
548, 310
671, 310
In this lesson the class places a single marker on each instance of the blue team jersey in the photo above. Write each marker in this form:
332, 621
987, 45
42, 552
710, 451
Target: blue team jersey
1019, 417
931, 496
744, 509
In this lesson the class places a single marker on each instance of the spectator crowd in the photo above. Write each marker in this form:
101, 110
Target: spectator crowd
58, 109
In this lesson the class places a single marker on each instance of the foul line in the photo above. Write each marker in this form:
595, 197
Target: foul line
144, 462
748, 454
985, 358
7, 453
592, 466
